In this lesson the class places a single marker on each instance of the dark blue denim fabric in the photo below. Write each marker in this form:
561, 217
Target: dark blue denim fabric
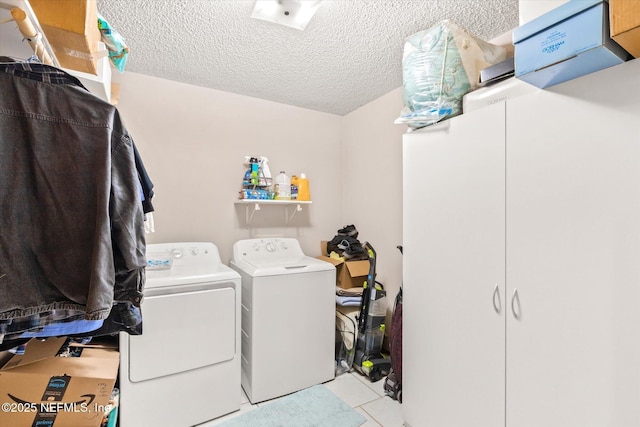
145, 183
60, 329
12, 328
71, 221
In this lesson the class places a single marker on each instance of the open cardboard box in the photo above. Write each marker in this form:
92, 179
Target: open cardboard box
625, 24
39, 388
349, 274
71, 27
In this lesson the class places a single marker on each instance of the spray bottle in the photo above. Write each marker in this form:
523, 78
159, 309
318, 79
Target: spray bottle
265, 179
246, 182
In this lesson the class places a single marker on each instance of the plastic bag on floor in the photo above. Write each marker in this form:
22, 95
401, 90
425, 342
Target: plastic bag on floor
346, 335
439, 66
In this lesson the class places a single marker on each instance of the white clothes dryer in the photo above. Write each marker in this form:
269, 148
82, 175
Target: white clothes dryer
288, 317
185, 367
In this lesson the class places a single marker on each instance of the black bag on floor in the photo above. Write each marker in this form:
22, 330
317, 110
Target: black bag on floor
393, 382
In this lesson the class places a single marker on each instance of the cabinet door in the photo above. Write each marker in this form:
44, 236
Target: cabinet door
573, 253
453, 221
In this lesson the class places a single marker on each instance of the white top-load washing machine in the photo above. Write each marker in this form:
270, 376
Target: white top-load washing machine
185, 367
288, 317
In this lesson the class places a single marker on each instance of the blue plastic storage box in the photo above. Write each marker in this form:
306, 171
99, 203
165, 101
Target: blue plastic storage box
567, 42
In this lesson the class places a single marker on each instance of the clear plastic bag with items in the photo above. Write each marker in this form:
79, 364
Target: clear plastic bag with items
439, 66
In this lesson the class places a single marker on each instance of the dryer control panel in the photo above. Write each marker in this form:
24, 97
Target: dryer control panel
183, 262
162, 256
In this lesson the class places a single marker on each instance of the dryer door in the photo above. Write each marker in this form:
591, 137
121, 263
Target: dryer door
183, 331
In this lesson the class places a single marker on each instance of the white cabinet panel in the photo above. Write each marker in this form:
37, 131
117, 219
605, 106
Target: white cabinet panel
573, 254
454, 347
544, 190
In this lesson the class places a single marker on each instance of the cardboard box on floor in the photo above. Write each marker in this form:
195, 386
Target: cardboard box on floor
71, 27
38, 388
349, 274
625, 24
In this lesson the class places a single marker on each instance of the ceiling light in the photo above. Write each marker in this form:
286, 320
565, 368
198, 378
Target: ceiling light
291, 13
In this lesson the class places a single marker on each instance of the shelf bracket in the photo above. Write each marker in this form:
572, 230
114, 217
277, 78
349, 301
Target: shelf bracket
297, 208
248, 218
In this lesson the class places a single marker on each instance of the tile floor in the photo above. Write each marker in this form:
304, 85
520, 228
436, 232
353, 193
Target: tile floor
358, 392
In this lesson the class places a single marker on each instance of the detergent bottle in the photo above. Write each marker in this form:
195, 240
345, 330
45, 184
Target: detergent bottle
303, 188
294, 187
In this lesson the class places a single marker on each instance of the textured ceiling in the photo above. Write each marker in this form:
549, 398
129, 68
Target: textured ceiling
349, 54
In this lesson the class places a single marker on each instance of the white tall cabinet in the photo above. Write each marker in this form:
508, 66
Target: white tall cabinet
454, 262
522, 261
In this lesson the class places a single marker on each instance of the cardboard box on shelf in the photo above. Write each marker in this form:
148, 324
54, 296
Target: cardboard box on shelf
568, 42
42, 388
98, 83
625, 24
71, 27
349, 274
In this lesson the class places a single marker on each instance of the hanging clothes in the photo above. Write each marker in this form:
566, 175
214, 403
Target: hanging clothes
72, 221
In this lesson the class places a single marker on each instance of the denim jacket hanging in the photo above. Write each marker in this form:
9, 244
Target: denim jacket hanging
71, 218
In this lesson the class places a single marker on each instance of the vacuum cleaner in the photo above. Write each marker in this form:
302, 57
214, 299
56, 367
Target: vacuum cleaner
368, 359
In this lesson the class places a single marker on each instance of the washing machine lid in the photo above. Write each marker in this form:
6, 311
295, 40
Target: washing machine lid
273, 256
173, 264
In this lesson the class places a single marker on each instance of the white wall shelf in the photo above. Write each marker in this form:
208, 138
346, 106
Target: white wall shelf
296, 206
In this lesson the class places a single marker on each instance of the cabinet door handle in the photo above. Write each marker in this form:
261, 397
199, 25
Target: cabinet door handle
496, 299
515, 300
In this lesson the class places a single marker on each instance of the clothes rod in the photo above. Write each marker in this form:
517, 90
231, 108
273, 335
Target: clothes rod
31, 35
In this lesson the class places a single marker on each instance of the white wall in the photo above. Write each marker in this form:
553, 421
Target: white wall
372, 192
193, 142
